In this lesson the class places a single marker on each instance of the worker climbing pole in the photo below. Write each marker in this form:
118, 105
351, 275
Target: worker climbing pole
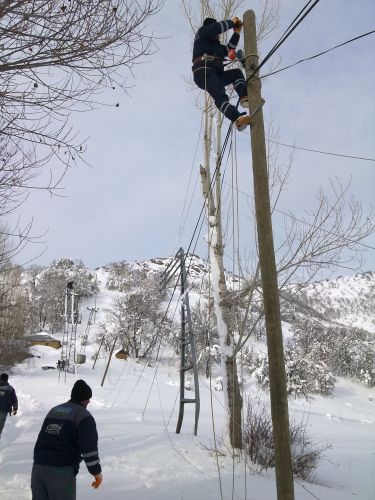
208, 68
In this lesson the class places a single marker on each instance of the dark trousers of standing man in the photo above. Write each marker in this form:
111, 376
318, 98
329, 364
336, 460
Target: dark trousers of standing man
215, 80
3, 417
53, 483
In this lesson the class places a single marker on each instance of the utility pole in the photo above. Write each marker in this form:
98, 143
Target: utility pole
109, 361
278, 392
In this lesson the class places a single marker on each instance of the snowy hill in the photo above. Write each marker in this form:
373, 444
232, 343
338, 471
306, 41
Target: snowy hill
348, 300
136, 413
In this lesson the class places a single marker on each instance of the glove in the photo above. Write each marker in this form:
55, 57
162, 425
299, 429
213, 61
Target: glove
98, 481
232, 54
237, 24
14, 412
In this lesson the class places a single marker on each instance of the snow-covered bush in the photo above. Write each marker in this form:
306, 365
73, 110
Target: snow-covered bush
208, 356
347, 351
306, 376
257, 364
258, 441
303, 375
125, 276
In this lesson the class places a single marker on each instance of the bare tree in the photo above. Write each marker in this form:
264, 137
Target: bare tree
57, 57
134, 319
329, 237
12, 307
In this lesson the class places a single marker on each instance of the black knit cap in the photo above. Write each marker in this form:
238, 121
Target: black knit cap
81, 391
209, 20
4, 377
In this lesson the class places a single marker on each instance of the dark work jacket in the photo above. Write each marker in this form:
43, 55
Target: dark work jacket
8, 398
67, 436
206, 41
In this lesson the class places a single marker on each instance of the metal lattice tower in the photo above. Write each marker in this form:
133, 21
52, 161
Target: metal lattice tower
71, 320
188, 360
90, 321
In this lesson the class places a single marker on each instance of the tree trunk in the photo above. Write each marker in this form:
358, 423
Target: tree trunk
232, 395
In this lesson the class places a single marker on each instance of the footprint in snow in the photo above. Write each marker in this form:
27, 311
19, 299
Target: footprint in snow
332, 417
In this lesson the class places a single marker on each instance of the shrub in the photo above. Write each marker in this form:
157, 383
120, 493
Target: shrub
347, 351
259, 446
303, 375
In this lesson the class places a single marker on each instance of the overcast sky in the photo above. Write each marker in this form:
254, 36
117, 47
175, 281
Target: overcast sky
129, 204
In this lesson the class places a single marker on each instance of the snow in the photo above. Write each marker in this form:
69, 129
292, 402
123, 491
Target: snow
350, 298
142, 456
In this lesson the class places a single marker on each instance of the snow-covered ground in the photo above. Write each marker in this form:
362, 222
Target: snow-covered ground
144, 459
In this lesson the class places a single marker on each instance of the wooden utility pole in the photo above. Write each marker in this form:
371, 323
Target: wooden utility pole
278, 392
109, 361
97, 354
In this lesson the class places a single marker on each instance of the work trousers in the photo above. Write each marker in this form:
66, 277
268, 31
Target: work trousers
53, 483
3, 417
214, 80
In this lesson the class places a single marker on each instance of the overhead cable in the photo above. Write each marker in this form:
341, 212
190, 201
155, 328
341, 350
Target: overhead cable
319, 54
285, 35
322, 152
302, 221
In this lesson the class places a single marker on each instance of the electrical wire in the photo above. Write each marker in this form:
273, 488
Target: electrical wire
304, 221
293, 25
183, 216
322, 152
318, 55
159, 328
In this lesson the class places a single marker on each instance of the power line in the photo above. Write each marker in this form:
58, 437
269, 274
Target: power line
286, 214
293, 25
322, 152
318, 55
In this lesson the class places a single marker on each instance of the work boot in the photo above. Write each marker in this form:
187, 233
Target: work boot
242, 122
244, 101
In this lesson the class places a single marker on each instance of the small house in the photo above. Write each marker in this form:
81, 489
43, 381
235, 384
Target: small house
122, 354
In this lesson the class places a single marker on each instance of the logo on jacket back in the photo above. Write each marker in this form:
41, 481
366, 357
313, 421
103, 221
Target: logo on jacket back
53, 429
61, 410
